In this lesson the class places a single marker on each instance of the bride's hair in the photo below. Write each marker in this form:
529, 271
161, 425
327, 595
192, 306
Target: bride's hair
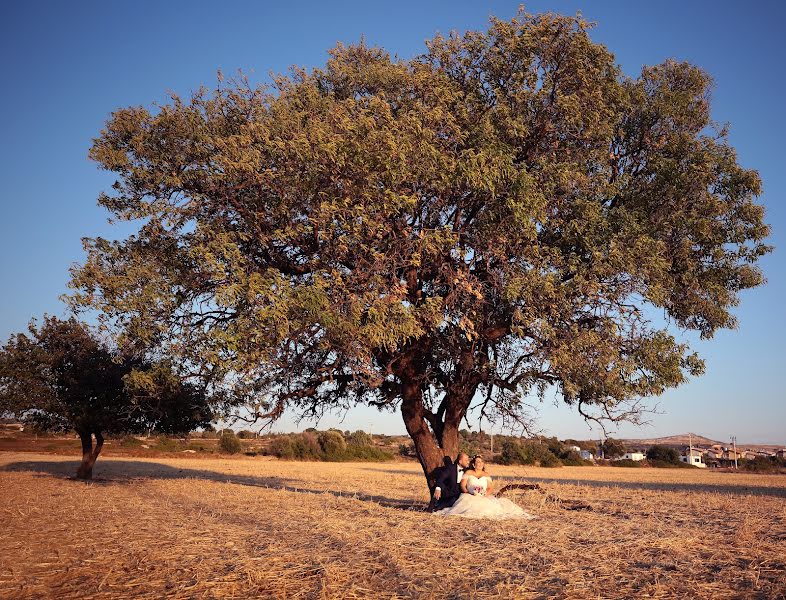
472, 462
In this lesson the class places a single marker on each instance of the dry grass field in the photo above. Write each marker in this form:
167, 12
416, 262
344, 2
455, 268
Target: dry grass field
256, 527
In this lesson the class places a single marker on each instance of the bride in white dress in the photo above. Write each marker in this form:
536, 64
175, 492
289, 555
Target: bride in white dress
475, 502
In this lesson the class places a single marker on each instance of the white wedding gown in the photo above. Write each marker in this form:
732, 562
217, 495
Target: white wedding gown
476, 505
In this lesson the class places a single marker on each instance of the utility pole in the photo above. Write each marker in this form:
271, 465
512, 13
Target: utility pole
734, 443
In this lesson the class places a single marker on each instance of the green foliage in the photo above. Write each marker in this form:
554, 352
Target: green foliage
663, 454
131, 442
381, 222
626, 462
527, 453
571, 458
360, 438
246, 434
612, 448
324, 445
363, 453
167, 444
406, 450
229, 442
332, 443
590, 446
303, 446
62, 376
763, 464
663, 464
198, 447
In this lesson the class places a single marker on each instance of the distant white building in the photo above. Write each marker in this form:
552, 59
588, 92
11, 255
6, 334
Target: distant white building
587, 455
632, 456
575, 448
693, 457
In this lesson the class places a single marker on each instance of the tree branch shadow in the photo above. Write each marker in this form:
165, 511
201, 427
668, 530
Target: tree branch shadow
127, 471
703, 488
735, 488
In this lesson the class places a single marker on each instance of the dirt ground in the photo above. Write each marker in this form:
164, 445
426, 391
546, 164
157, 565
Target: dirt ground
251, 526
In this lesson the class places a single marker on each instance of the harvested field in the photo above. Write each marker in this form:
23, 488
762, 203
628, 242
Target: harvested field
246, 527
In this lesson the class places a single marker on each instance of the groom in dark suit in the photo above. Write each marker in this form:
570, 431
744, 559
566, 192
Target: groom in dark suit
448, 490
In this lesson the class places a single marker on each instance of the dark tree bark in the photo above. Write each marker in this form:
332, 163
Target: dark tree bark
435, 434
89, 454
430, 454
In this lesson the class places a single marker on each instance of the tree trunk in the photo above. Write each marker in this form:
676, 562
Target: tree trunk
89, 454
430, 455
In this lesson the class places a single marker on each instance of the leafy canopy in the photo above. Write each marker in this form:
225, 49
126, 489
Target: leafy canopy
495, 215
61, 376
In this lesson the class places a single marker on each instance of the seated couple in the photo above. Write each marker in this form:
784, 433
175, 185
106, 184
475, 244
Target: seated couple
464, 488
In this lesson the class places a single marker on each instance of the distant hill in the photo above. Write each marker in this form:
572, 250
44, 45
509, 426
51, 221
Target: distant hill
682, 439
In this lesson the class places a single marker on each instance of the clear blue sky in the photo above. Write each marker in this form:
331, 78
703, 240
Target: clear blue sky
66, 66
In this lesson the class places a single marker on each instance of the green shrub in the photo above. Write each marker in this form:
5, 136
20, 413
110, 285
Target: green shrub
130, 442
328, 446
528, 453
571, 458
662, 464
612, 448
300, 446
333, 444
246, 434
282, 447
229, 442
626, 462
360, 438
763, 464
662, 453
167, 444
547, 459
406, 449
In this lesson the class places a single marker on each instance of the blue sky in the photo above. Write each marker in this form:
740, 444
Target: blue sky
66, 66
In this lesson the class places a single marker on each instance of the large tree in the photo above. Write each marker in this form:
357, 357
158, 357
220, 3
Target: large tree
62, 376
489, 219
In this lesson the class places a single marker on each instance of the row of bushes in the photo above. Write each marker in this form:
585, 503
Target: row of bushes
517, 452
328, 445
763, 464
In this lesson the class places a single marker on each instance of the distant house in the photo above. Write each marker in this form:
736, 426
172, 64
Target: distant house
632, 456
693, 457
575, 448
781, 453
587, 455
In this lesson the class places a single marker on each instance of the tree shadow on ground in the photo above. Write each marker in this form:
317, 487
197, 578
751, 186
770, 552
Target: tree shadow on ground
124, 472
736, 488
703, 488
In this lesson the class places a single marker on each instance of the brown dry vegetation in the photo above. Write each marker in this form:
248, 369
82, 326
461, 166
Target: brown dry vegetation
243, 527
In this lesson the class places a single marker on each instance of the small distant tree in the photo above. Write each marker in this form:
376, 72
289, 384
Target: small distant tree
663, 453
229, 442
332, 443
360, 438
612, 448
61, 376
